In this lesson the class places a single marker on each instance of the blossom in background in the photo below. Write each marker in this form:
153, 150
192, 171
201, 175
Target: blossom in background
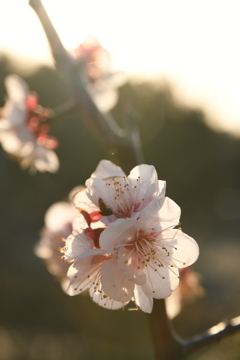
188, 290
58, 226
138, 254
101, 82
60, 220
23, 128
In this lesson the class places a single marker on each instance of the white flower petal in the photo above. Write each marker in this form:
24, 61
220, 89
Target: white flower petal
97, 188
130, 266
164, 210
105, 99
147, 180
116, 233
84, 270
76, 245
45, 160
114, 284
82, 201
59, 215
173, 304
86, 261
161, 283
182, 248
106, 169
16, 88
78, 285
142, 300
101, 299
147, 173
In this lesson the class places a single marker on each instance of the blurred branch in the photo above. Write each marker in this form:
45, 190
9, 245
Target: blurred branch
124, 146
63, 109
169, 346
131, 120
213, 335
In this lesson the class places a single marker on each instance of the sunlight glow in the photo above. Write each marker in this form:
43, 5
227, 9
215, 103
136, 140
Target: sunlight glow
193, 44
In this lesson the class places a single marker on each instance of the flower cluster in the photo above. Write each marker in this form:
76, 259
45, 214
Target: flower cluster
137, 251
100, 81
23, 128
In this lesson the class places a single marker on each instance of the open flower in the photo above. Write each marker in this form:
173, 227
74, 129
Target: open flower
23, 128
150, 250
138, 254
116, 195
100, 81
91, 264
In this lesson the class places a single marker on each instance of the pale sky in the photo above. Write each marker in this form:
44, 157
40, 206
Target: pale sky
194, 44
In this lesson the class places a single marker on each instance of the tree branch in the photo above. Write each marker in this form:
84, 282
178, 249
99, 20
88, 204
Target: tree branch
122, 145
213, 335
169, 346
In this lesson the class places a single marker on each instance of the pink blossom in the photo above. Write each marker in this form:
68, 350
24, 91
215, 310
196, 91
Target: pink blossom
23, 128
101, 82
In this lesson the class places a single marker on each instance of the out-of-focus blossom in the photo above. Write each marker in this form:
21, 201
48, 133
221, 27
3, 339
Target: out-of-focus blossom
188, 290
23, 128
138, 254
60, 220
58, 226
116, 195
101, 82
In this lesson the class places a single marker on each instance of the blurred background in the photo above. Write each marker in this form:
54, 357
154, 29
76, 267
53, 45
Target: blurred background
183, 64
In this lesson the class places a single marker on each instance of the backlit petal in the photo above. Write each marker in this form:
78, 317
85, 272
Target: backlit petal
114, 283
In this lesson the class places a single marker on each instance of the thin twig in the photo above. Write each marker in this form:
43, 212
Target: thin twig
169, 346
114, 140
213, 335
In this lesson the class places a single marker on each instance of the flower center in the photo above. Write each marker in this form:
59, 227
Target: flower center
36, 123
126, 194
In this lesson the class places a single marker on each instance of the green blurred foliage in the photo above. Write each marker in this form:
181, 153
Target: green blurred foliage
202, 170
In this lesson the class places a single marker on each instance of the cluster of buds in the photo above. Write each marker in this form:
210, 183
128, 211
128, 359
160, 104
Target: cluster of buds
24, 129
129, 244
